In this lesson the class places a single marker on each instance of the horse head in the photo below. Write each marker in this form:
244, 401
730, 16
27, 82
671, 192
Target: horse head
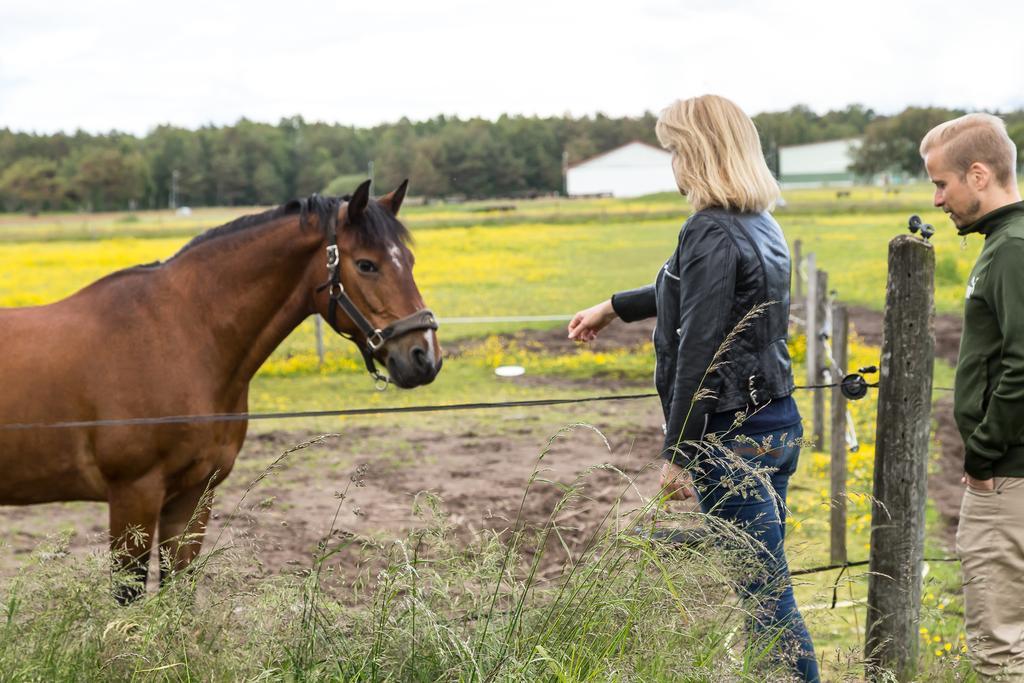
371, 296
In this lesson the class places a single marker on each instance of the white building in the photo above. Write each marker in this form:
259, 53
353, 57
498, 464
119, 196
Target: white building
819, 164
632, 170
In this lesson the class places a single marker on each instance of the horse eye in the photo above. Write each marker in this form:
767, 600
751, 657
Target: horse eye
365, 266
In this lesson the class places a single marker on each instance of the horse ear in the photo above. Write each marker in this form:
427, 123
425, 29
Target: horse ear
393, 201
357, 205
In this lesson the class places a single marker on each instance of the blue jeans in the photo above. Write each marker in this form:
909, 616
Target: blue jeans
728, 489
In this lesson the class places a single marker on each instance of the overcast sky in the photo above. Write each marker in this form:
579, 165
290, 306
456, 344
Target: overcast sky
103, 65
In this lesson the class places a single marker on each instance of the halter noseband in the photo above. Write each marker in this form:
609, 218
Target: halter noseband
376, 338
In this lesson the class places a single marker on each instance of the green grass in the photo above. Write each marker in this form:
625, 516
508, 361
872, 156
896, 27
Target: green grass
430, 608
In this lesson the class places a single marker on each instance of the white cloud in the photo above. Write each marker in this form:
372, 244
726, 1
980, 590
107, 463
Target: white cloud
132, 66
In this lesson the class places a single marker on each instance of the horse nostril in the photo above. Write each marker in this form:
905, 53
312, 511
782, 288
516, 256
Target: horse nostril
419, 358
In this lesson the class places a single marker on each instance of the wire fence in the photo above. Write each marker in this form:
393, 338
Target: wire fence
348, 412
344, 412
858, 563
341, 412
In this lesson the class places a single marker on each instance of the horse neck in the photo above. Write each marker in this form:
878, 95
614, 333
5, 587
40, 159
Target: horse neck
248, 291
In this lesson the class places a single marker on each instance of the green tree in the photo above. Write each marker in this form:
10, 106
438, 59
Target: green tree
257, 163
230, 180
169, 151
344, 184
425, 177
892, 143
32, 183
267, 184
108, 178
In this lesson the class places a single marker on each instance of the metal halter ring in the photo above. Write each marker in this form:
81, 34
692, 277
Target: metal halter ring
375, 340
333, 258
335, 293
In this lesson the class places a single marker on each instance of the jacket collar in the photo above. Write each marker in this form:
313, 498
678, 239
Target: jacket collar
993, 220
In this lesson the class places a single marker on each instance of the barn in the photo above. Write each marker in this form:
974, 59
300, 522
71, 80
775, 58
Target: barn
631, 170
819, 164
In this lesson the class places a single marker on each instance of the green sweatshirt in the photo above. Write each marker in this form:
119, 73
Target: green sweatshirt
989, 397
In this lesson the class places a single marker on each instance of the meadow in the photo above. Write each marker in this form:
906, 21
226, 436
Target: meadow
624, 612
542, 257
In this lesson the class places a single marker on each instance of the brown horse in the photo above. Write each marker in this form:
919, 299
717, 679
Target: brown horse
185, 337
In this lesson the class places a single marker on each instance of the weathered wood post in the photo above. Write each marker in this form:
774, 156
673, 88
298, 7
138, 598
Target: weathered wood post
820, 308
798, 285
837, 469
319, 340
810, 324
901, 460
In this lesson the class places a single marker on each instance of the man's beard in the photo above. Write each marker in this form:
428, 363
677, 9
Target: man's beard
969, 216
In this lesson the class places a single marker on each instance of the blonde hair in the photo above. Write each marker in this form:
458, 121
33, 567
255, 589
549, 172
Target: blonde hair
717, 157
975, 138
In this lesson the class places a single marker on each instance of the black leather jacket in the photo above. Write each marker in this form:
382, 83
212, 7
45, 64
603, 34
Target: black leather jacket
726, 264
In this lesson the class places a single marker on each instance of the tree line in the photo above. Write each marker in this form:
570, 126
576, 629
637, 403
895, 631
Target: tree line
252, 163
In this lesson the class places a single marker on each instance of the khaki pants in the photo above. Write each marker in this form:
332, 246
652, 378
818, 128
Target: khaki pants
990, 543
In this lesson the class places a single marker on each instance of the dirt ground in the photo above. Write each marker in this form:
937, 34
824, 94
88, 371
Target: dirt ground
480, 473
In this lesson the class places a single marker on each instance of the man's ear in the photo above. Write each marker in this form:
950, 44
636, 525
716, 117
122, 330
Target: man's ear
393, 200
979, 175
357, 205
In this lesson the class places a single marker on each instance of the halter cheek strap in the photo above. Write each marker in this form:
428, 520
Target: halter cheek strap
376, 338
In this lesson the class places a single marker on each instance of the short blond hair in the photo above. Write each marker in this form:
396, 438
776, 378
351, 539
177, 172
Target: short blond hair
975, 138
717, 155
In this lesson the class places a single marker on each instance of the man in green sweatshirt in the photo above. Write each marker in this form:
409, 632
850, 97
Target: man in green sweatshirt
972, 163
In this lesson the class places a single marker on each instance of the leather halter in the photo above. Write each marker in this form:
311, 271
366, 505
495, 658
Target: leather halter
376, 338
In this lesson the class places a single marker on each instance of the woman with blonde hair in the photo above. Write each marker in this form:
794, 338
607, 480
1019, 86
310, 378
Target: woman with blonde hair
723, 370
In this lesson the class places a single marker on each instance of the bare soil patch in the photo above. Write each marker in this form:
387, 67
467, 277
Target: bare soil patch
479, 476
617, 335
944, 485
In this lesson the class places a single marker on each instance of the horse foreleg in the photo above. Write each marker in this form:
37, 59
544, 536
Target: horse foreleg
182, 527
134, 509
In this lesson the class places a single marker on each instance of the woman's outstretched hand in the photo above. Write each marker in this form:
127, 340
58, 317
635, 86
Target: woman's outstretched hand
587, 323
676, 483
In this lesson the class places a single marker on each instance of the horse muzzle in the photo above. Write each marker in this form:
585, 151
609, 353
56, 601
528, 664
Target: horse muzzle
416, 362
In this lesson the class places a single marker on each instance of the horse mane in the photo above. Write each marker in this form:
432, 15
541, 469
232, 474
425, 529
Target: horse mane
377, 227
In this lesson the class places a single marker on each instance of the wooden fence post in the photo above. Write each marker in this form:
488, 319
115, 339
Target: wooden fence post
901, 460
798, 285
820, 306
837, 469
811, 322
319, 340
